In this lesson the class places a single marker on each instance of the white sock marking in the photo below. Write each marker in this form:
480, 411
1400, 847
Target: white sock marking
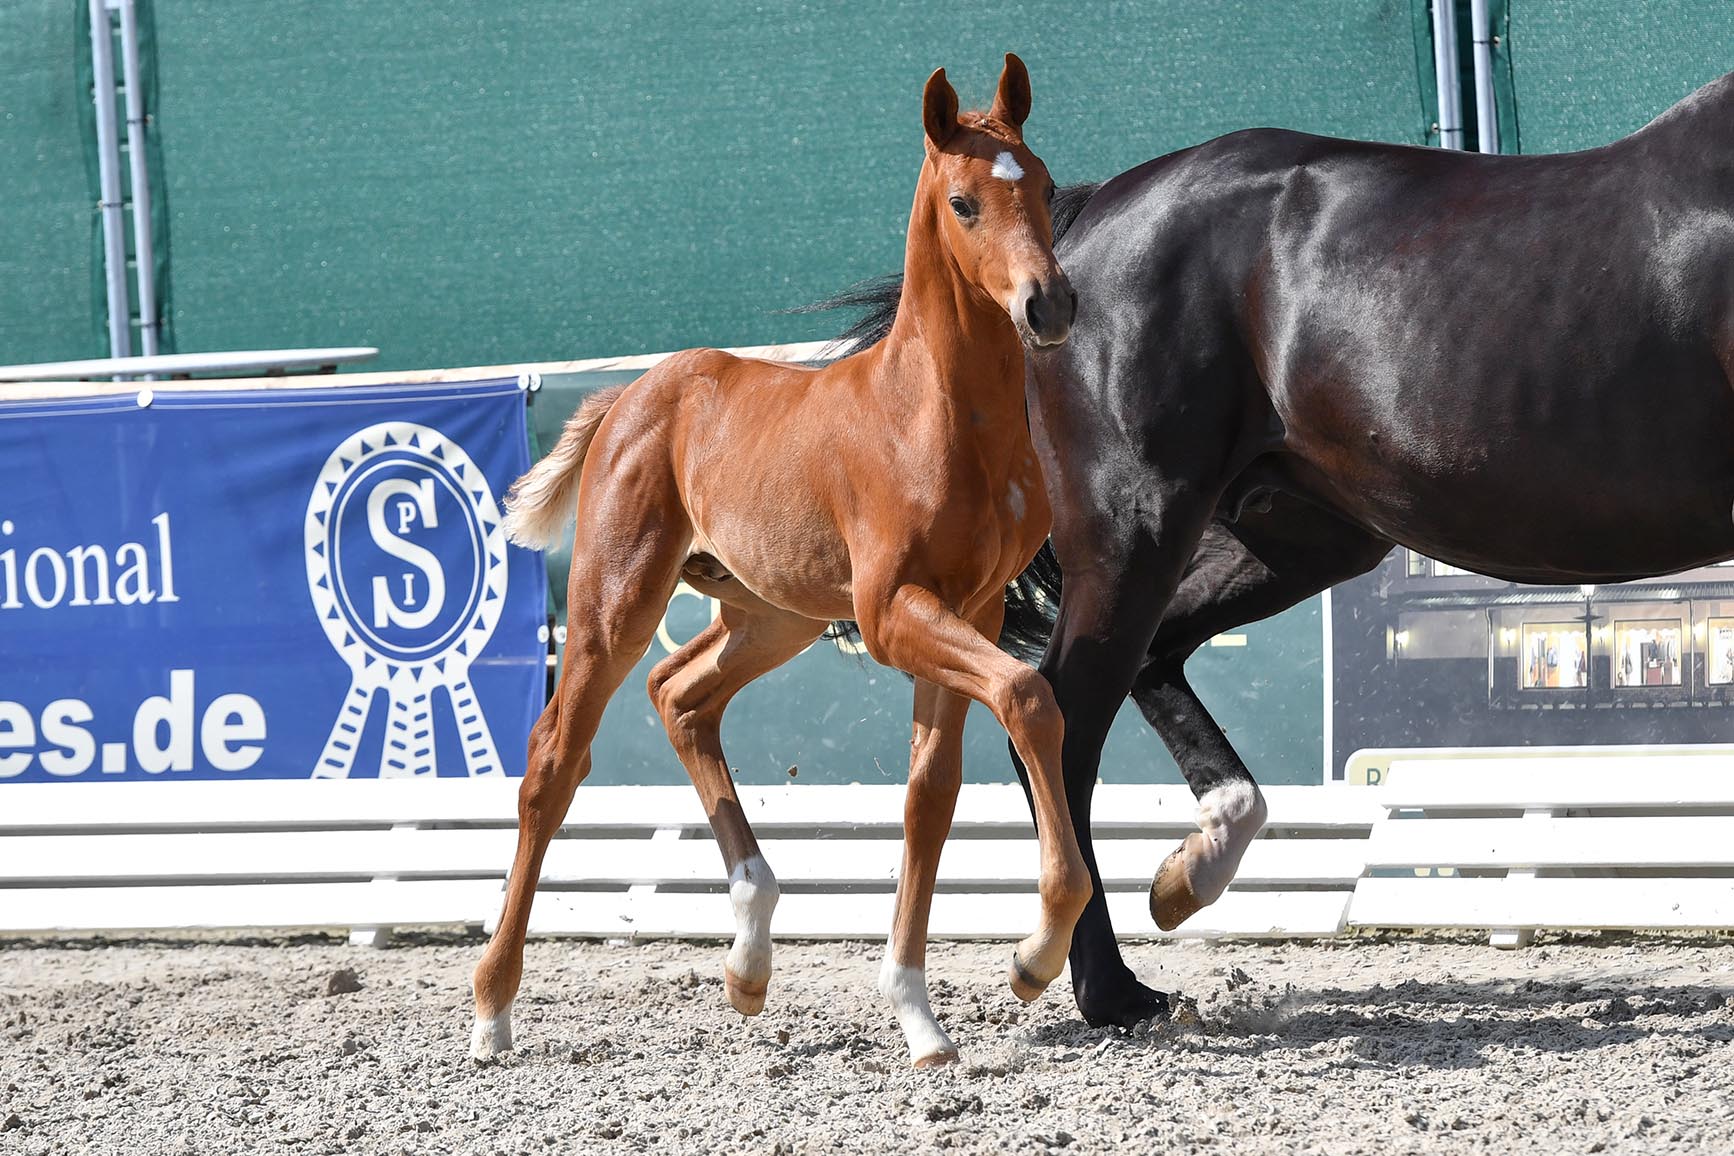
1229, 817
906, 988
753, 892
1006, 167
491, 1036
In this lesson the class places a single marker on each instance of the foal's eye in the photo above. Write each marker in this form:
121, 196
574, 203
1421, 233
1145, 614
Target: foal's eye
962, 208
1050, 192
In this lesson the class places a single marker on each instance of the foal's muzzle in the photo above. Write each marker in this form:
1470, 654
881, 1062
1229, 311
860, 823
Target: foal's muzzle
1043, 311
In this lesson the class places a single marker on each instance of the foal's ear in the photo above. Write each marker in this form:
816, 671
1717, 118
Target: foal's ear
1011, 105
939, 109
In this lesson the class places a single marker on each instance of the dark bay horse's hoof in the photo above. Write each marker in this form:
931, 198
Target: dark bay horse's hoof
1172, 900
1126, 1004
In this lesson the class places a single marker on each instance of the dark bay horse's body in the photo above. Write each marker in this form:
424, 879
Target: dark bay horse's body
1293, 352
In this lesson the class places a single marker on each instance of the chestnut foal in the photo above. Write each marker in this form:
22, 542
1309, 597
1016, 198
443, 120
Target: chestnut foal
897, 487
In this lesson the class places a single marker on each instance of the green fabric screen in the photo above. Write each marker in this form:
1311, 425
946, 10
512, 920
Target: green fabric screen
466, 184
1588, 72
51, 297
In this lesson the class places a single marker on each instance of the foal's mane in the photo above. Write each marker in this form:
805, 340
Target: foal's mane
1033, 597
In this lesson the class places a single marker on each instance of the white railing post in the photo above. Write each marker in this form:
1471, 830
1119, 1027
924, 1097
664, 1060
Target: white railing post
1516, 879
379, 936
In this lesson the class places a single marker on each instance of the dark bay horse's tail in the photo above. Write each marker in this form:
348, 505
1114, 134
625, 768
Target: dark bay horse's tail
1033, 598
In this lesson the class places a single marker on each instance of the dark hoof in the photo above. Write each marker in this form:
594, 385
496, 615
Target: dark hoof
1126, 1004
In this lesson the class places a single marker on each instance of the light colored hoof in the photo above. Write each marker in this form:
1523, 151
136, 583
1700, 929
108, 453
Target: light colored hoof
1024, 985
1172, 900
491, 1036
745, 996
937, 1059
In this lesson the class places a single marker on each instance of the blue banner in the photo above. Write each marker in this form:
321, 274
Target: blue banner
276, 583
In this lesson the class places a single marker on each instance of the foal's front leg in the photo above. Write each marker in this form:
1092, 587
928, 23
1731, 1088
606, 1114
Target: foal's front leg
907, 626
935, 774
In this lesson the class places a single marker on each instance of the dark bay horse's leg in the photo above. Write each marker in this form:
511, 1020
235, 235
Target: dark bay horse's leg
1241, 572
1238, 574
1106, 623
1139, 434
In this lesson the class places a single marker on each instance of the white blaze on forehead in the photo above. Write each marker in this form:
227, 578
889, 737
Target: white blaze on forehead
1006, 167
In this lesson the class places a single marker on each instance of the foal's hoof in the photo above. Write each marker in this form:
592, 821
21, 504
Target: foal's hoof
745, 996
1024, 985
491, 1036
938, 1059
1172, 900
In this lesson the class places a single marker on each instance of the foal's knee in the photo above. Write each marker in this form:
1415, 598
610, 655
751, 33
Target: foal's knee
1026, 705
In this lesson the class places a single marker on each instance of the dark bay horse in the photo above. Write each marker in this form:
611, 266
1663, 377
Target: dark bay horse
1292, 353
898, 487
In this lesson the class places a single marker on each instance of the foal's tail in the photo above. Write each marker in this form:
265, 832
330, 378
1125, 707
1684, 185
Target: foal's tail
540, 503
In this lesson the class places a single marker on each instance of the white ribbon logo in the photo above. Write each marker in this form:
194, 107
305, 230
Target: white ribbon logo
406, 562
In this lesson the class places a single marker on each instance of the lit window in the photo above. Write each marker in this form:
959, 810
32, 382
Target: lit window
1554, 655
1648, 653
1720, 659
1421, 566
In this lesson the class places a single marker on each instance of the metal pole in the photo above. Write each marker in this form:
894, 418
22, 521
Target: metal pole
138, 166
1445, 82
108, 169
1486, 111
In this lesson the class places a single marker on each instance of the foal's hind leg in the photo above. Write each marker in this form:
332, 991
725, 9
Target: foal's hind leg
691, 688
935, 775
616, 598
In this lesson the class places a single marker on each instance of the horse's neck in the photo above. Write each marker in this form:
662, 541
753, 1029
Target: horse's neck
948, 339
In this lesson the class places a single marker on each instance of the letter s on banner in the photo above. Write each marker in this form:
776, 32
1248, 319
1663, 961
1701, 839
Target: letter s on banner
386, 612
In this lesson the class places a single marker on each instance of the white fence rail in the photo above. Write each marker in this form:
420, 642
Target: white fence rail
1454, 842
1518, 843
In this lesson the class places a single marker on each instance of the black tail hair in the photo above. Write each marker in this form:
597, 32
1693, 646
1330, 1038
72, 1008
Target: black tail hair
1032, 600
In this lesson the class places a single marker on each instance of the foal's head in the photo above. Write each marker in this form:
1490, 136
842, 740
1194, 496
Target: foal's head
990, 195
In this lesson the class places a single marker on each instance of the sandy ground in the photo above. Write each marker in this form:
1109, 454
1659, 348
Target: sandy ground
1586, 1044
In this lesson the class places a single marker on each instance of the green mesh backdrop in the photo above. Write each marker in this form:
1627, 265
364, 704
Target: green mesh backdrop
50, 261
1587, 72
473, 184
